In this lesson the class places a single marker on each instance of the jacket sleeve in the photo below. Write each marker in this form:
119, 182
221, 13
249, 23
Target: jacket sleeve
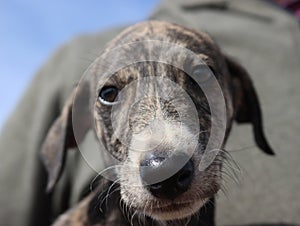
22, 176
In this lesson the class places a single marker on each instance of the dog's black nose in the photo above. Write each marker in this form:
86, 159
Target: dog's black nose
167, 177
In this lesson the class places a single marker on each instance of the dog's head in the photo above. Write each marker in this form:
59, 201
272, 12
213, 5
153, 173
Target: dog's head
157, 121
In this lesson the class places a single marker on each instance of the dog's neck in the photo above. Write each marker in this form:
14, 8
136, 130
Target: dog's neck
109, 210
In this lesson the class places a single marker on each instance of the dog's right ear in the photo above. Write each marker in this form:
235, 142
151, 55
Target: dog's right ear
61, 136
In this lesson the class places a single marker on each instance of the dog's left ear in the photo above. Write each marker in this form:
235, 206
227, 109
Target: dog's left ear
246, 103
61, 135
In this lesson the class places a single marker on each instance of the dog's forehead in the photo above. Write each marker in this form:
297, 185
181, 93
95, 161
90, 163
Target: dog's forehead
158, 40
197, 41
140, 72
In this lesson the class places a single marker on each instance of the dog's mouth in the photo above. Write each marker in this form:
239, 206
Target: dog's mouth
174, 211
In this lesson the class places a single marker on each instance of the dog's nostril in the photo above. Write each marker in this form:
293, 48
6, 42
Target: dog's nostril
184, 178
169, 187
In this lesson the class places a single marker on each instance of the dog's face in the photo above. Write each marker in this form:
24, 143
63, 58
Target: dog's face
155, 130
156, 120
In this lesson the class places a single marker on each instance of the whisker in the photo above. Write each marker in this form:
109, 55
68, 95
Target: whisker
243, 149
108, 193
101, 173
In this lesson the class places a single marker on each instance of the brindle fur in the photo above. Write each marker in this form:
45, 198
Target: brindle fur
135, 205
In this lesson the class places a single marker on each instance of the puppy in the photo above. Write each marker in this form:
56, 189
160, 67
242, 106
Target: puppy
164, 115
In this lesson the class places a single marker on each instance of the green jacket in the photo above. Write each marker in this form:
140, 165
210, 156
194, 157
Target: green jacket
264, 38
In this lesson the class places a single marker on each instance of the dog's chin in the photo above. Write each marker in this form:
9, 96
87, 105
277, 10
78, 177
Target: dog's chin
175, 211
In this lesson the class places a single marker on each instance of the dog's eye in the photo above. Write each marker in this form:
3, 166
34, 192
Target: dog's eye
202, 72
107, 95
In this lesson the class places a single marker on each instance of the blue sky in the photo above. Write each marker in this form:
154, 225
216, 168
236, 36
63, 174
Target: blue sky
30, 30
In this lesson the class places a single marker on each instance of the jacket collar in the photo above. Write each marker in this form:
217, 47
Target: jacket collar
246, 7
192, 3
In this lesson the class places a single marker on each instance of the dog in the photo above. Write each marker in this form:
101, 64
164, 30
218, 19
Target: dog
152, 130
